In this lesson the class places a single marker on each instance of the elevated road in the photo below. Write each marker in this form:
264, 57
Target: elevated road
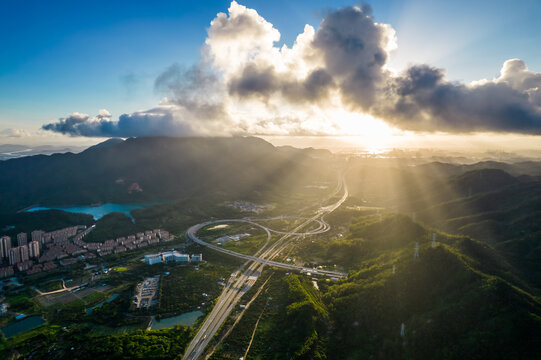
191, 234
241, 281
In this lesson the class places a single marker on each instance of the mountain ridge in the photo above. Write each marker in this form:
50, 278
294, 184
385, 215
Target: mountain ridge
158, 168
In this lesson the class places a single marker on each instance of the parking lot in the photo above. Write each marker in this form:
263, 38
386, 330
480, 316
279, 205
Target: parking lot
146, 294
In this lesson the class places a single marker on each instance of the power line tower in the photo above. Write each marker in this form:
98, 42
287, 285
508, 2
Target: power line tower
433, 240
416, 252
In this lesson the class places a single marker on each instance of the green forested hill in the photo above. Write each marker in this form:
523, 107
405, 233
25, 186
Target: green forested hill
496, 203
458, 300
163, 168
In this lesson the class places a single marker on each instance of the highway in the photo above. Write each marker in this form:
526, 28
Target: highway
191, 235
241, 281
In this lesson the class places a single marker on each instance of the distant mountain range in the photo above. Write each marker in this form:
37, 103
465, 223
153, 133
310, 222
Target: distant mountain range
14, 151
154, 169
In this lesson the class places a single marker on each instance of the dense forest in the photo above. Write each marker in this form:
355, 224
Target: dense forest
458, 300
57, 343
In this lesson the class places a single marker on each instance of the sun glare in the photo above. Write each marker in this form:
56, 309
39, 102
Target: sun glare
366, 131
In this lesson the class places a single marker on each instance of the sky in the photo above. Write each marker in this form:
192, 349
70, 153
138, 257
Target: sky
77, 72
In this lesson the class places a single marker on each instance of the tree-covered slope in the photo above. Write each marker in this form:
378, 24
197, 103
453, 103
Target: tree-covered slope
162, 169
459, 300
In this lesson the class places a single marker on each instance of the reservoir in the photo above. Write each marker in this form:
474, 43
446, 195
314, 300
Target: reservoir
21, 326
187, 319
98, 211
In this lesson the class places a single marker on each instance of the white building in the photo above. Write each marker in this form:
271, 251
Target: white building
182, 258
153, 259
197, 257
168, 257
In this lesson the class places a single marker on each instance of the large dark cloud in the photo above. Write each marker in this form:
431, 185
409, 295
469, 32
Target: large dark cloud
263, 83
353, 48
421, 99
341, 65
255, 82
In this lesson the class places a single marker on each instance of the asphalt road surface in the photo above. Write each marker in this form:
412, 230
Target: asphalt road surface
243, 279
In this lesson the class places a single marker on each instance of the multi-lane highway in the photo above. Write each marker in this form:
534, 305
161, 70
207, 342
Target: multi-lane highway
242, 280
191, 235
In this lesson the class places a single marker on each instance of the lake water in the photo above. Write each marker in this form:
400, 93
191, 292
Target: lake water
21, 326
111, 298
187, 319
97, 211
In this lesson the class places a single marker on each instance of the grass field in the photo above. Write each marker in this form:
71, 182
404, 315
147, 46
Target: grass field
182, 290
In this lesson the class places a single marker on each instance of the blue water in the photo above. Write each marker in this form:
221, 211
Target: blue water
187, 319
97, 211
111, 298
21, 326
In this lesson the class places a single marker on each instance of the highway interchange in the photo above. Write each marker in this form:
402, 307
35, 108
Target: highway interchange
241, 280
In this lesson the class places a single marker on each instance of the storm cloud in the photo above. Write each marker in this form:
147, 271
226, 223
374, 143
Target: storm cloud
246, 84
266, 82
421, 99
354, 49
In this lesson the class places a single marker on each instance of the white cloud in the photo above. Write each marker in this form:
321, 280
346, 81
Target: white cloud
246, 84
14, 133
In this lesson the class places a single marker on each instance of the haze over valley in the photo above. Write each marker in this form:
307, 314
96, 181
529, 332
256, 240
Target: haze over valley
254, 180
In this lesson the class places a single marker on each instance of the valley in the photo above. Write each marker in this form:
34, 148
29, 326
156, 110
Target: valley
386, 260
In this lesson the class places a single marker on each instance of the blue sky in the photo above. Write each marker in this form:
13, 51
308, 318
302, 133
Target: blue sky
59, 57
